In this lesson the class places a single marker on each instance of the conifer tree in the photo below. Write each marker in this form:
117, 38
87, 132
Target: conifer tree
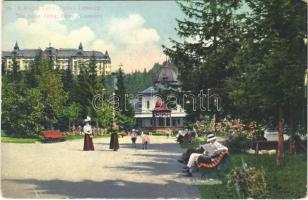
125, 109
209, 33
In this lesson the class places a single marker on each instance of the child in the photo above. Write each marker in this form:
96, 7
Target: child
145, 140
133, 137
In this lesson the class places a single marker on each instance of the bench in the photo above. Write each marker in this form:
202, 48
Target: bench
272, 145
52, 135
219, 164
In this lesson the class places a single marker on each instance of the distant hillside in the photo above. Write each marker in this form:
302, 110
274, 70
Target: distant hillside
138, 81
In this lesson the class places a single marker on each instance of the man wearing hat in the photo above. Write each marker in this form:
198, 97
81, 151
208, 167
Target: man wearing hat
210, 149
87, 130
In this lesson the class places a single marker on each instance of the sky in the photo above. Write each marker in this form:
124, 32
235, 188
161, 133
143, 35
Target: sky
132, 32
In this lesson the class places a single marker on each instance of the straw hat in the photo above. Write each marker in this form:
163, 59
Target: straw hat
88, 119
211, 137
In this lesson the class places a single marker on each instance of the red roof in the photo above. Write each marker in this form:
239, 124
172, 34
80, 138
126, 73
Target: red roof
160, 106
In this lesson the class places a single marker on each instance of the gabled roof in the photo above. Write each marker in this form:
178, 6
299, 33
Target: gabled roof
150, 90
28, 53
6, 53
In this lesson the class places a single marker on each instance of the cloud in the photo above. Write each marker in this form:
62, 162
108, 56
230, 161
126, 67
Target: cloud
127, 39
44, 29
139, 46
102, 46
74, 16
131, 30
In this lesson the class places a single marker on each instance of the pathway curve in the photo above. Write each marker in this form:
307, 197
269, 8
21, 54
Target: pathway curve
62, 170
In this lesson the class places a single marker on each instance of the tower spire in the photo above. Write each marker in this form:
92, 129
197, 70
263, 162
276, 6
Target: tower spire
16, 47
80, 46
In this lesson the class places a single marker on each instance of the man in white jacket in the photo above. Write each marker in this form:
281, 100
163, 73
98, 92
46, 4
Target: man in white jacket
210, 149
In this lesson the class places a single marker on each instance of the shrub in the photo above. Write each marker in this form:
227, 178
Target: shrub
247, 182
238, 143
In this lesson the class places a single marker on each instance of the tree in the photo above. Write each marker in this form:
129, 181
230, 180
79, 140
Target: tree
271, 63
51, 88
68, 83
210, 34
72, 112
125, 113
85, 91
21, 111
15, 70
104, 115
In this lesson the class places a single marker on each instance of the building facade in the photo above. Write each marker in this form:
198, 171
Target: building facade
62, 58
151, 112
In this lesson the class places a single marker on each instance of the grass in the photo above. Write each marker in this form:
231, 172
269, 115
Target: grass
7, 139
286, 182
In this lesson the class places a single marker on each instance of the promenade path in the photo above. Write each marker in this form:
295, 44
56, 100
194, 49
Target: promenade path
63, 170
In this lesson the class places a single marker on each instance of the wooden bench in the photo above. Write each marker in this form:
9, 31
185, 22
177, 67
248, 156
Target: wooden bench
218, 164
53, 135
272, 145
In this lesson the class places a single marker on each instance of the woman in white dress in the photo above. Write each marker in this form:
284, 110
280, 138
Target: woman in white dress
88, 141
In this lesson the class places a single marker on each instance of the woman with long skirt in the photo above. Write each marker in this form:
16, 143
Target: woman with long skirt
88, 141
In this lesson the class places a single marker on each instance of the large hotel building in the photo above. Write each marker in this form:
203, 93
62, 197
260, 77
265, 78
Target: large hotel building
62, 58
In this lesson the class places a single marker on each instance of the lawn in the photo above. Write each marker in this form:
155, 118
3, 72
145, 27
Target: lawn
285, 182
6, 139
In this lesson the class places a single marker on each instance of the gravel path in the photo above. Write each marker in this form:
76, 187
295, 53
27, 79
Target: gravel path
63, 170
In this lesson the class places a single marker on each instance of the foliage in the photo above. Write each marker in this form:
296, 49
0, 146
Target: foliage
239, 134
125, 114
138, 81
209, 34
194, 144
125, 122
68, 81
284, 182
73, 112
21, 113
51, 89
247, 182
104, 115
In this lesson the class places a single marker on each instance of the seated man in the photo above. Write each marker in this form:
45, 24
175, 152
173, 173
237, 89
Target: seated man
188, 152
211, 149
200, 149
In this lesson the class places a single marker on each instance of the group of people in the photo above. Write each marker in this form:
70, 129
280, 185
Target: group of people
145, 139
208, 151
114, 142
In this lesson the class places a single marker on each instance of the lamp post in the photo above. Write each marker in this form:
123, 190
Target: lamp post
114, 140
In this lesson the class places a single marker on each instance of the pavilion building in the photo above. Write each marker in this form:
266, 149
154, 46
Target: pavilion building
151, 112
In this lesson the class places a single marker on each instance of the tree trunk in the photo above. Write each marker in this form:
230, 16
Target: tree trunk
291, 140
69, 125
280, 154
